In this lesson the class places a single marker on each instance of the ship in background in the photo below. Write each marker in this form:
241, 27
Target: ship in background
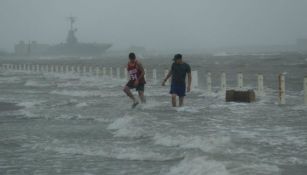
72, 47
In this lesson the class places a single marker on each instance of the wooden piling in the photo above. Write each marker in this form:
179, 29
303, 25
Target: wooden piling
240, 80
209, 83
282, 89
223, 83
305, 90
194, 79
154, 75
260, 85
118, 73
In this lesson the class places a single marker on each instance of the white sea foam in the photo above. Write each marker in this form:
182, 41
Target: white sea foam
150, 104
115, 152
121, 122
28, 114
294, 161
287, 139
212, 94
249, 168
206, 144
83, 104
198, 166
130, 131
33, 83
71, 79
89, 82
140, 154
51, 75
300, 107
197, 90
85, 93
188, 109
126, 127
29, 104
132, 126
77, 117
74, 117
156, 92
10, 80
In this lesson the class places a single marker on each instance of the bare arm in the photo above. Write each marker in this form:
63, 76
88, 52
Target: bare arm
189, 81
141, 68
167, 77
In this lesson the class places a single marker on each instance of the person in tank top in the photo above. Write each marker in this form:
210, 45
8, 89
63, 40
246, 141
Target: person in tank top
136, 80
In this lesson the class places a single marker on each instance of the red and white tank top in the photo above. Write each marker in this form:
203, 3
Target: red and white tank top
134, 72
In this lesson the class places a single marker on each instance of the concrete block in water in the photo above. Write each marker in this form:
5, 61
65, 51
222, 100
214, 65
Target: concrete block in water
240, 96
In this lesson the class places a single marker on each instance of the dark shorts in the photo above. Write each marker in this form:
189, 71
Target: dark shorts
140, 87
178, 90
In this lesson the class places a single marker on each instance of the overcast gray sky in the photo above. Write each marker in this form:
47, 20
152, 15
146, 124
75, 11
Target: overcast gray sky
155, 24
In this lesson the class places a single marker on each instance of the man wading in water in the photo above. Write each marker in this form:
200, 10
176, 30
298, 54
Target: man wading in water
178, 72
136, 79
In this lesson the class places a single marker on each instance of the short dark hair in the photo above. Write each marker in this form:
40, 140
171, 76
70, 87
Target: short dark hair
177, 57
132, 55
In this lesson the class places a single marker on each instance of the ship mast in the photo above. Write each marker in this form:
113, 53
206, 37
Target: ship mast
71, 38
72, 20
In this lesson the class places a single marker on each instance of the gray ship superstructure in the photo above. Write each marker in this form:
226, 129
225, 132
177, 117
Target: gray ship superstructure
72, 47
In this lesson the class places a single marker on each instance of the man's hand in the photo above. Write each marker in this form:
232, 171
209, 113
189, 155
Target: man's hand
189, 89
163, 82
136, 83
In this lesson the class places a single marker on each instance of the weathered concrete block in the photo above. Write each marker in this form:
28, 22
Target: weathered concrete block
240, 96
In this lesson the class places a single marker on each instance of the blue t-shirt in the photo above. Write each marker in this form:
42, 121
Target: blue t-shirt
179, 72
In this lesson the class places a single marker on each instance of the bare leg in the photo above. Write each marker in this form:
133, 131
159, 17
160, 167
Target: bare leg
174, 100
142, 97
181, 101
129, 94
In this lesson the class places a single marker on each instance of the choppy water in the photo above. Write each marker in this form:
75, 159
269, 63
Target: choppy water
72, 124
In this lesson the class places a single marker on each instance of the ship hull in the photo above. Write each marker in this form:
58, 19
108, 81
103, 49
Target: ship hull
78, 49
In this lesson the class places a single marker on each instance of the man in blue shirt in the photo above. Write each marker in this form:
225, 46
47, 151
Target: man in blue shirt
178, 72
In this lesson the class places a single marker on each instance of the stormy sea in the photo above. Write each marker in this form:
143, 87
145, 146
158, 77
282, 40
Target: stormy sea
82, 124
